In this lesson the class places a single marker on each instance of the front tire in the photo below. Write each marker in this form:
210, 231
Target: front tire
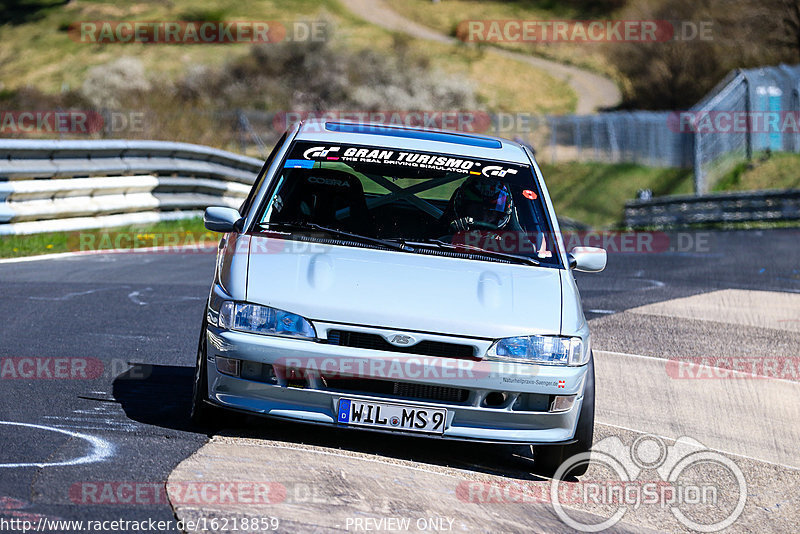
203, 413
548, 458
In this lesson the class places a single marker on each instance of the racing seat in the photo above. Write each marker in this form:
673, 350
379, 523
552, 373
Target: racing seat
329, 198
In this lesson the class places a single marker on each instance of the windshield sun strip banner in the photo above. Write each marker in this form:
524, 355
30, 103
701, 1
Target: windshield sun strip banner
404, 158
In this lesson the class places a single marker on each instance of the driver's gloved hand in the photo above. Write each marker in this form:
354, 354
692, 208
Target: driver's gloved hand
464, 223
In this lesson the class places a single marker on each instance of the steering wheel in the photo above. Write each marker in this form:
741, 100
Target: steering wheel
468, 223
484, 225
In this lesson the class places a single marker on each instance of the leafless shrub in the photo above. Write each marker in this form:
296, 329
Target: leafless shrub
108, 85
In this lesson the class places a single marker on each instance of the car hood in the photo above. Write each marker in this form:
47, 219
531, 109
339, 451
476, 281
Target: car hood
407, 291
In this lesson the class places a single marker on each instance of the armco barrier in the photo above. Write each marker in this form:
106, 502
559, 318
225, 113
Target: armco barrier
748, 206
48, 185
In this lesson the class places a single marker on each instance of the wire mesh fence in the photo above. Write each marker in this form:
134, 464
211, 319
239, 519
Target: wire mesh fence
633, 137
751, 111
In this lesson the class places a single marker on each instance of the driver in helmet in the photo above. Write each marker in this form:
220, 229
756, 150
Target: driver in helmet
480, 203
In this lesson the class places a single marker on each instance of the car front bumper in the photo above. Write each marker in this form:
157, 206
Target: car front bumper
523, 417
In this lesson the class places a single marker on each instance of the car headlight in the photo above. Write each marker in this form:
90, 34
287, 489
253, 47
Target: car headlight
550, 350
264, 320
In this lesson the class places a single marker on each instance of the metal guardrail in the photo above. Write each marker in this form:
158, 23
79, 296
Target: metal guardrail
48, 185
748, 206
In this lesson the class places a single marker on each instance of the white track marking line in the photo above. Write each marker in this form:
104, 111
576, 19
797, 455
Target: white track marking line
109, 422
56, 256
656, 283
100, 428
68, 296
743, 375
101, 449
778, 464
134, 297
64, 255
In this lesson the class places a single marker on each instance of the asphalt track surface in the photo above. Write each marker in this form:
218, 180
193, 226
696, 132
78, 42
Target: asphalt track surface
135, 317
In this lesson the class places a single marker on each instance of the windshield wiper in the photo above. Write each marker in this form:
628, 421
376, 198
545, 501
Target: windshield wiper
478, 250
394, 245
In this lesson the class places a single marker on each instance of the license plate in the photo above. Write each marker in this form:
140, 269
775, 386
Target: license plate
394, 416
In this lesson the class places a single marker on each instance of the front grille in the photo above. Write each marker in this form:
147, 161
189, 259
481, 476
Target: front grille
403, 390
424, 391
361, 340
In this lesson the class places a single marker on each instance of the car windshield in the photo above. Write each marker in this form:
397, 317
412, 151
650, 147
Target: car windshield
426, 200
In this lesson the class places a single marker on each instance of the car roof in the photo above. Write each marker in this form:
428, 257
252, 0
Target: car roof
411, 138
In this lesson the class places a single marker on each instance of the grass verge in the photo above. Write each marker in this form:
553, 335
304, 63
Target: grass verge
595, 193
183, 232
766, 171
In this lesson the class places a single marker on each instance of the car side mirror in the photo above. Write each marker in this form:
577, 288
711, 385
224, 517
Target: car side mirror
224, 220
587, 259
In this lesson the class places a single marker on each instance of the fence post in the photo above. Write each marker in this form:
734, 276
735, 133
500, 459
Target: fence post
748, 136
612, 141
699, 178
106, 130
794, 108
651, 142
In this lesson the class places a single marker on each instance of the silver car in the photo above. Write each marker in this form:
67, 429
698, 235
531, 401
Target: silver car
401, 280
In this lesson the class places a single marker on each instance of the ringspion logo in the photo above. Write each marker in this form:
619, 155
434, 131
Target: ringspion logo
704, 490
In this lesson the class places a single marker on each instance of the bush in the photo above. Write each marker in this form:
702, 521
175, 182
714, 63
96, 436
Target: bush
108, 85
316, 76
203, 15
